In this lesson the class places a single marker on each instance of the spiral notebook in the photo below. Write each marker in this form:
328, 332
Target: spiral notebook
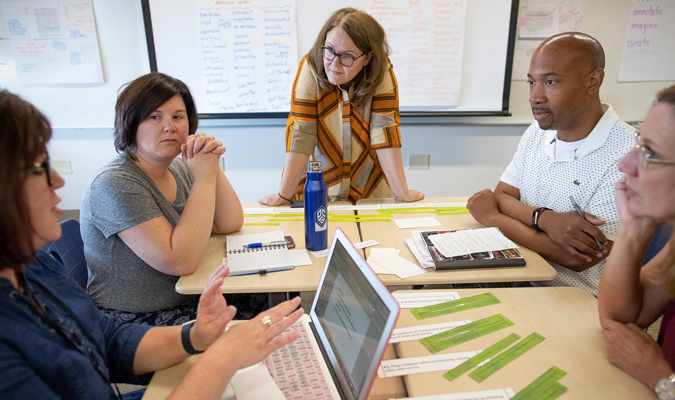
244, 261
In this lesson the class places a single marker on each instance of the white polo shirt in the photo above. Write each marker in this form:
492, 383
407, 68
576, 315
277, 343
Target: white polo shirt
588, 174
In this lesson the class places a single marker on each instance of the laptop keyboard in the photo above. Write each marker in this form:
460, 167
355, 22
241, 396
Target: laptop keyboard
296, 370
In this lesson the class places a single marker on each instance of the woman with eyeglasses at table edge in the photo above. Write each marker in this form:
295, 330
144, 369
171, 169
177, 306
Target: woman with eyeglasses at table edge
344, 112
631, 296
54, 343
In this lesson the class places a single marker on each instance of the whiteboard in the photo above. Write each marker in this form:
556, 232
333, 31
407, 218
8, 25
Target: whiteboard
172, 28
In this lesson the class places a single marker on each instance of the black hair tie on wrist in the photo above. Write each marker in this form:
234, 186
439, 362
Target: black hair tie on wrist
289, 200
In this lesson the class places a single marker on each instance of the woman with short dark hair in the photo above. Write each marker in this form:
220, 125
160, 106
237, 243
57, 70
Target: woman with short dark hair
54, 343
631, 297
344, 112
146, 216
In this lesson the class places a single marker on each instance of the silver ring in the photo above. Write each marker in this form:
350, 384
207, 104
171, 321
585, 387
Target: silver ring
266, 320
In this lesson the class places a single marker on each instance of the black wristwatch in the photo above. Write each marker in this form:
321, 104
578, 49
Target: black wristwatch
535, 217
185, 338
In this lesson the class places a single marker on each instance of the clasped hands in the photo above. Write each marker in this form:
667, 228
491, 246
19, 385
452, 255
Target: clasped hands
568, 230
200, 153
245, 343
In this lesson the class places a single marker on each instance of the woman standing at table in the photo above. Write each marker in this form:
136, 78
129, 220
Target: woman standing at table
632, 297
147, 215
344, 112
54, 344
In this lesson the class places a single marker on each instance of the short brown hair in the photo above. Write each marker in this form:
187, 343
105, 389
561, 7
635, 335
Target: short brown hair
24, 132
140, 98
368, 35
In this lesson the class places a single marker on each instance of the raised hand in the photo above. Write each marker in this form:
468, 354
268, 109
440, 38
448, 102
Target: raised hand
213, 313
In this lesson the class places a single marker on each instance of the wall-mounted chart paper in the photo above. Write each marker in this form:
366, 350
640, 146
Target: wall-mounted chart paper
429, 48
249, 54
539, 19
649, 48
53, 41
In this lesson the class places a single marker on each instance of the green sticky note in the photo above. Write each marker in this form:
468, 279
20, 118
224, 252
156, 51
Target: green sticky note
464, 333
451, 209
544, 387
260, 215
482, 373
479, 358
359, 220
262, 223
454, 306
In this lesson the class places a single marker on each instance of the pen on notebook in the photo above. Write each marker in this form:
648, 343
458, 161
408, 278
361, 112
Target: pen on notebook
583, 215
254, 245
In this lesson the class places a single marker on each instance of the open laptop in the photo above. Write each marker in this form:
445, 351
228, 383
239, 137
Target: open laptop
345, 333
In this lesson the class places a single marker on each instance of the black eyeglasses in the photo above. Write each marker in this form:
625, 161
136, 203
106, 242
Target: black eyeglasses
44, 167
347, 60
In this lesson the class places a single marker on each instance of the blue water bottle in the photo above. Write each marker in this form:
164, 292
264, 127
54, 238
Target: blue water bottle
316, 212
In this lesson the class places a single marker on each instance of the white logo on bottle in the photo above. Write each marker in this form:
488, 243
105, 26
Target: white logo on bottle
320, 219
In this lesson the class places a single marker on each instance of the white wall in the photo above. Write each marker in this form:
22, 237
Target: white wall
467, 154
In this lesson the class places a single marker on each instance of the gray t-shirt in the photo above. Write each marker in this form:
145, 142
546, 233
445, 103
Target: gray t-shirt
119, 196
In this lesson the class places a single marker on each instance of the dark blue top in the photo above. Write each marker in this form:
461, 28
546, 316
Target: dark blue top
37, 362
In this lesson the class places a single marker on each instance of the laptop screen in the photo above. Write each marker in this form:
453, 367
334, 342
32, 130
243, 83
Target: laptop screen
352, 315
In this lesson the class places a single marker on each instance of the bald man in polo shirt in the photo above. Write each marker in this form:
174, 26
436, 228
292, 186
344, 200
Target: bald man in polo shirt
572, 149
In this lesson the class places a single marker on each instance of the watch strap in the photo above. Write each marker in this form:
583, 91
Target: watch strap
535, 217
185, 338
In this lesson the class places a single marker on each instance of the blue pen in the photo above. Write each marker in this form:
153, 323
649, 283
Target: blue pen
255, 245
583, 215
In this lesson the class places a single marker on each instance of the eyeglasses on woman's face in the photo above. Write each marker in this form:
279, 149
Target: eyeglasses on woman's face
346, 60
44, 168
647, 156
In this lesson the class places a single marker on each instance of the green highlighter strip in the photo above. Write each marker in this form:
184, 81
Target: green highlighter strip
464, 333
546, 387
261, 223
480, 357
454, 306
484, 372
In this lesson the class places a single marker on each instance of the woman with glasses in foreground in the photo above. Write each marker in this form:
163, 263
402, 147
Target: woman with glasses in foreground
54, 343
631, 297
344, 111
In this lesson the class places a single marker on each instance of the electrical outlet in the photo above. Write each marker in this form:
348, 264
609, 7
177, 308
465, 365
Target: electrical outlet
418, 161
63, 167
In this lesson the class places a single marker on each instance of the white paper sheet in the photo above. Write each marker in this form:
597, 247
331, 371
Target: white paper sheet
493, 394
249, 54
429, 38
649, 47
265, 210
471, 241
377, 268
418, 255
300, 257
423, 298
404, 205
352, 208
360, 245
398, 265
422, 331
53, 41
289, 210
416, 222
418, 365
251, 384
443, 205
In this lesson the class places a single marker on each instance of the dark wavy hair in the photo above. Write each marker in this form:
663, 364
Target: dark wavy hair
140, 98
368, 35
24, 133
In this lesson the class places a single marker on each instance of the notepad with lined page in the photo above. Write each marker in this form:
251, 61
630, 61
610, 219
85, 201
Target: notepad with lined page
244, 261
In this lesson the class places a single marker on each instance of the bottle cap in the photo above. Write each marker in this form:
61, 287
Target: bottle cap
314, 166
